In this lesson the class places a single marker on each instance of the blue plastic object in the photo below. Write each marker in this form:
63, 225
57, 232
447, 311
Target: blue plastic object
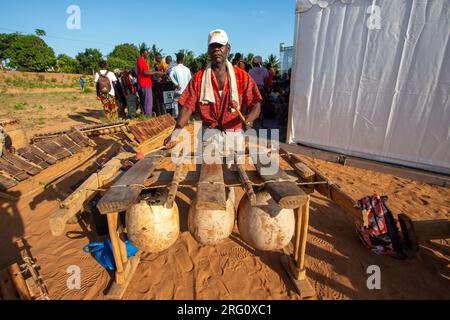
104, 253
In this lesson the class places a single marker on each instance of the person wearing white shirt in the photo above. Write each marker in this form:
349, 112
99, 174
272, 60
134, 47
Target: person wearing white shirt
108, 99
180, 75
170, 65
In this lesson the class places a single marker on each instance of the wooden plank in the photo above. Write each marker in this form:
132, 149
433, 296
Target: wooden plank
432, 229
282, 189
75, 202
162, 179
21, 164
51, 175
306, 175
117, 291
28, 155
128, 135
332, 191
19, 282
178, 176
80, 139
6, 182
122, 243
68, 144
247, 184
53, 149
17, 174
39, 153
126, 190
393, 169
137, 134
155, 142
211, 194
7, 290
303, 238
303, 286
147, 134
113, 219
415, 231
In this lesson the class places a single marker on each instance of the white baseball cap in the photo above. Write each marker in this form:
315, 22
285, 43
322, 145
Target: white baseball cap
218, 36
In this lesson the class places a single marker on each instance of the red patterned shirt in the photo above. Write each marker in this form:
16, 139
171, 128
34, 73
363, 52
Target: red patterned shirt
220, 115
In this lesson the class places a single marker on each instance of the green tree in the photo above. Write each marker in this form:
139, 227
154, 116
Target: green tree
6, 39
249, 58
116, 63
154, 51
189, 58
144, 46
40, 33
89, 60
30, 53
273, 60
66, 64
123, 55
202, 61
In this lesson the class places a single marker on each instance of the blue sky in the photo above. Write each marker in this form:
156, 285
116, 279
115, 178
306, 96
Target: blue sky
253, 26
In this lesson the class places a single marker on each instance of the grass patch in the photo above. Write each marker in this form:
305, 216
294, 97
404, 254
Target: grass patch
72, 98
40, 120
141, 117
38, 82
38, 106
104, 119
20, 106
88, 90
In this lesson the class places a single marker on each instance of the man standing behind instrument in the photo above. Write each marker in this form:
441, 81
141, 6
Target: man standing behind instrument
220, 92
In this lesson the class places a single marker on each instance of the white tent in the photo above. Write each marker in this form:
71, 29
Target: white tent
373, 82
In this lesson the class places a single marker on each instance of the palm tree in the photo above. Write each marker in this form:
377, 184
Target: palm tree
202, 60
189, 58
249, 58
143, 46
154, 51
274, 61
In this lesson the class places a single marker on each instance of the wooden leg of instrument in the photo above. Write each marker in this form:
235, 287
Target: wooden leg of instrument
296, 267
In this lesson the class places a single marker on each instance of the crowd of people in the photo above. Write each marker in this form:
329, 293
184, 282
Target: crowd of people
275, 89
124, 92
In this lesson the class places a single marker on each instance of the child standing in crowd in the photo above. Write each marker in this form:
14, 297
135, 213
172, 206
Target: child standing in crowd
82, 84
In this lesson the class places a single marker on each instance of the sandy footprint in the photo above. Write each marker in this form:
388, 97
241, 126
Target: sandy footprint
217, 264
253, 265
165, 290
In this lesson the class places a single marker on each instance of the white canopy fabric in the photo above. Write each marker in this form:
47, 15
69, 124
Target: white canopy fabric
381, 94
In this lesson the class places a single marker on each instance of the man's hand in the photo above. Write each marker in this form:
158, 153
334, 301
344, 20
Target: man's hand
170, 143
248, 125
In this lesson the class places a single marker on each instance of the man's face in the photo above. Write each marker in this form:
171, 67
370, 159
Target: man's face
218, 53
146, 54
158, 58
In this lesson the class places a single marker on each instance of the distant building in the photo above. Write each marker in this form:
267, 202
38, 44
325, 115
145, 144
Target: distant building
286, 58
